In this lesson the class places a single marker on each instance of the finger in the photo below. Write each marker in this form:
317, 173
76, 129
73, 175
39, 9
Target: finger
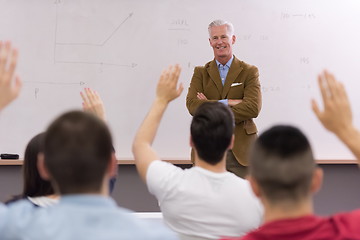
164, 74
331, 84
12, 66
323, 90
180, 89
97, 96
90, 95
18, 85
342, 93
86, 103
83, 96
177, 73
315, 108
3, 57
168, 73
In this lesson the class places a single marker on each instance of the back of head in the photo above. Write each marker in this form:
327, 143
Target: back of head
78, 150
212, 128
34, 185
282, 164
219, 22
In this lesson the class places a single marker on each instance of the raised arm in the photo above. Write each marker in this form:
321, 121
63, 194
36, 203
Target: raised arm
92, 103
10, 83
166, 91
337, 116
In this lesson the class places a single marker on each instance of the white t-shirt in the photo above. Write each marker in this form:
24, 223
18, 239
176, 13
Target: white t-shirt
198, 202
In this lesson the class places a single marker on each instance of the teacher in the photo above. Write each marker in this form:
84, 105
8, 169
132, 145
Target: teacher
234, 83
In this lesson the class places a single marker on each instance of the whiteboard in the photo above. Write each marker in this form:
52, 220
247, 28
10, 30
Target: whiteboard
120, 47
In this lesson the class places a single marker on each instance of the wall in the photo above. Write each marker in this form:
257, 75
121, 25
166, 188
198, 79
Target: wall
340, 191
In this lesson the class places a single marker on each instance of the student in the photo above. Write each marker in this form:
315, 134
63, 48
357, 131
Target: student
38, 191
206, 201
283, 174
10, 83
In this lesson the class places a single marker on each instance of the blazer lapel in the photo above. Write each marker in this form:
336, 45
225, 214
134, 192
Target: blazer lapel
233, 73
213, 72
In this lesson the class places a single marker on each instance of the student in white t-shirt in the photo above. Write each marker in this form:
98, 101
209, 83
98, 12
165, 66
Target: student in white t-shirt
206, 201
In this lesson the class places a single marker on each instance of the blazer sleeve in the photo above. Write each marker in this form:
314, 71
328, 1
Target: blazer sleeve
251, 103
196, 85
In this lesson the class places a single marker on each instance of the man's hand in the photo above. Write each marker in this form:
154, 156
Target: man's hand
233, 102
92, 103
336, 116
167, 86
201, 96
9, 88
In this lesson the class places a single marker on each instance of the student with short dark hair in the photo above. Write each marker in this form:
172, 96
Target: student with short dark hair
211, 131
283, 174
206, 201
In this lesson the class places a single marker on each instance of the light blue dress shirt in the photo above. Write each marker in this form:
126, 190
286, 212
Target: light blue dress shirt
223, 70
77, 217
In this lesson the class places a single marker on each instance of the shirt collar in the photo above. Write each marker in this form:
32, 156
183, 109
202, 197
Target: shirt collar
87, 199
228, 64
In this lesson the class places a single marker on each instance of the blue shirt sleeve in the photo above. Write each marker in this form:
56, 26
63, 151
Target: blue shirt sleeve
224, 101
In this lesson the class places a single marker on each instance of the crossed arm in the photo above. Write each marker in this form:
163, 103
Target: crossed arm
336, 115
231, 102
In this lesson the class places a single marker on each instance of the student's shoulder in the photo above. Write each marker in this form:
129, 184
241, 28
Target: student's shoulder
159, 165
16, 217
348, 221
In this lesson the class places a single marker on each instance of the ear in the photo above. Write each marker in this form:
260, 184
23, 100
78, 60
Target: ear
233, 39
231, 145
254, 186
317, 179
43, 171
112, 168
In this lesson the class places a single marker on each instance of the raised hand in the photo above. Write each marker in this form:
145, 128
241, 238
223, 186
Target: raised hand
10, 83
167, 89
92, 103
